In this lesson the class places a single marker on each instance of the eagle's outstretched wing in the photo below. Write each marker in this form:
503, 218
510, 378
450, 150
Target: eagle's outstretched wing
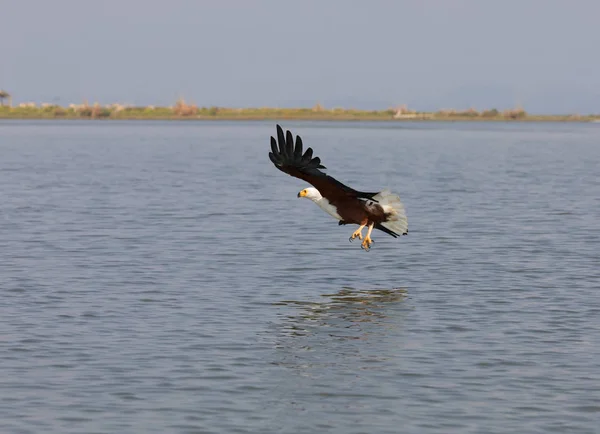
289, 158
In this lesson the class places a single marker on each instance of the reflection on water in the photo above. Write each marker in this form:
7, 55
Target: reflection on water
353, 336
346, 309
318, 333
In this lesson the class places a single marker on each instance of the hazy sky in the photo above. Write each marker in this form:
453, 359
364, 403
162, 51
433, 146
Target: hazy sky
428, 54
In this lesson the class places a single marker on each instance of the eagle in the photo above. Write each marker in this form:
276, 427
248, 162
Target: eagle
382, 210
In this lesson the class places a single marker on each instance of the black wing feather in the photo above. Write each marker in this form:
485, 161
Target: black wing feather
274, 149
298, 150
289, 144
315, 163
307, 156
281, 141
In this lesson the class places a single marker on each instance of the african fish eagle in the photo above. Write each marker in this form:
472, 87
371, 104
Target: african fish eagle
382, 210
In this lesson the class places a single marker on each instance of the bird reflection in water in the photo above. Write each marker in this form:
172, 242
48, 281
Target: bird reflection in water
348, 314
331, 355
340, 339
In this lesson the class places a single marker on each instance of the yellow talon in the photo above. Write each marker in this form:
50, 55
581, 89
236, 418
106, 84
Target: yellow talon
357, 233
366, 244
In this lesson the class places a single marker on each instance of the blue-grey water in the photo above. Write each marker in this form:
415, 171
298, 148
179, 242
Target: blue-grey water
163, 277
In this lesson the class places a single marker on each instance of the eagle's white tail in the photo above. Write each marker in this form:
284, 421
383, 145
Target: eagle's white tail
391, 204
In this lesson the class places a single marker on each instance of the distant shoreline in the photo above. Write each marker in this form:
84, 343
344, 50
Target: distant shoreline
183, 111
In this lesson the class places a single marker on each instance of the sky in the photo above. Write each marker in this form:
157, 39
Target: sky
428, 54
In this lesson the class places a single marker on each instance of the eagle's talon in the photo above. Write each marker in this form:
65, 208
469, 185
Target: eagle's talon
357, 233
366, 244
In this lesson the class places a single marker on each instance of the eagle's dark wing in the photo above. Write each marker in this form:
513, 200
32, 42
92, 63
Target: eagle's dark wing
288, 158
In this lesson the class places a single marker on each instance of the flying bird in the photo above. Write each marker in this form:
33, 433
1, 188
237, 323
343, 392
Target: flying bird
382, 210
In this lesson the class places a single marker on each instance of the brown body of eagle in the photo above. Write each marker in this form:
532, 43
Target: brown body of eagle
381, 210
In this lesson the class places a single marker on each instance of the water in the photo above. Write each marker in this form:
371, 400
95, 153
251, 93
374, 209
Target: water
163, 277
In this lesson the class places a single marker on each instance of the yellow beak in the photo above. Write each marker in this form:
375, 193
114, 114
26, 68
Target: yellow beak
302, 193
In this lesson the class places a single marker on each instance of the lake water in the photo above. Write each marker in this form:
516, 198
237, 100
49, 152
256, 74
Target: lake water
162, 277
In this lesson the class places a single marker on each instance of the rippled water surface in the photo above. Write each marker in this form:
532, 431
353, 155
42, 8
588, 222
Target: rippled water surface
163, 277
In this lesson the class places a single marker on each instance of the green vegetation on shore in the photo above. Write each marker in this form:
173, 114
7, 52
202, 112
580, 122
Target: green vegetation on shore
182, 110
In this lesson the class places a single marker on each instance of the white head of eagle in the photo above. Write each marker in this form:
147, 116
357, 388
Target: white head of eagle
310, 193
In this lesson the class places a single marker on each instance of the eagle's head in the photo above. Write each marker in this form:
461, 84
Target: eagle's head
310, 193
